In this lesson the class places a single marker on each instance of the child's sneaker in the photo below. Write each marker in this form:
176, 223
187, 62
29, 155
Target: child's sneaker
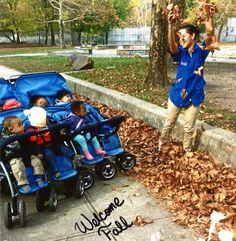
39, 181
25, 188
99, 151
88, 155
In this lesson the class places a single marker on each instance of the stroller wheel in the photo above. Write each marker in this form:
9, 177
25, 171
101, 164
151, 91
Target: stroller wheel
40, 200
106, 169
7, 215
22, 213
87, 175
79, 187
53, 200
126, 161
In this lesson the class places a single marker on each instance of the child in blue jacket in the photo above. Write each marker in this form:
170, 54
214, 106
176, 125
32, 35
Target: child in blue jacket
77, 118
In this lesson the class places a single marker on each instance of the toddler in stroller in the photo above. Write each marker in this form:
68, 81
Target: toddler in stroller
77, 118
39, 101
38, 120
63, 96
18, 151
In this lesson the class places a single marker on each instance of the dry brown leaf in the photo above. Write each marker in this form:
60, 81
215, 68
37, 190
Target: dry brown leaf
140, 221
117, 188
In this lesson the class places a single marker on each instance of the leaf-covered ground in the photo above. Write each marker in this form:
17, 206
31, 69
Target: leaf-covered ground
190, 185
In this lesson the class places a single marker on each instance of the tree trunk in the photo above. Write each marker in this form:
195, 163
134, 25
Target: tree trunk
61, 26
62, 37
53, 42
13, 36
106, 38
220, 31
157, 69
46, 34
80, 38
72, 34
17, 37
8, 37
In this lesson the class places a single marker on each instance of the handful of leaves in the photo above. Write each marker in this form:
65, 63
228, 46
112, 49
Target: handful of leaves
172, 12
206, 9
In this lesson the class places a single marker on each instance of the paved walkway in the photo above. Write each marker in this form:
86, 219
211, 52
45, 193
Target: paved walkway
6, 72
60, 225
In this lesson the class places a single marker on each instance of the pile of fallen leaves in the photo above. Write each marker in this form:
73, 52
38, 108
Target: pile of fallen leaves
191, 185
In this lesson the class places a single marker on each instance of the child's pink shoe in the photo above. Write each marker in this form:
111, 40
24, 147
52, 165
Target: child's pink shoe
88, 156
99, 151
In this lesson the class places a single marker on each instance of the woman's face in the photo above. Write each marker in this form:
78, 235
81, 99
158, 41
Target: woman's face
186, 40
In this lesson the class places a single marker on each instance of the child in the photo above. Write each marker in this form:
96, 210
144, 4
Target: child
38, 120
77, 118
18, 151
39, 101
63, 96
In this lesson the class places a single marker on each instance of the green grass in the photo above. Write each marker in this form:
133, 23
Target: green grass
24, 50
126, 75
37, 63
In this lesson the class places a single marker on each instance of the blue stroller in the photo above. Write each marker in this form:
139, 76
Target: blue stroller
30, 85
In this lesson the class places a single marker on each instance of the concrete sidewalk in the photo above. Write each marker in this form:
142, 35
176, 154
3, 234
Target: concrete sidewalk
60, 225
6, 72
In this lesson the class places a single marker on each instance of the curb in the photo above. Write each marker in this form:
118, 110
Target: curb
220, 143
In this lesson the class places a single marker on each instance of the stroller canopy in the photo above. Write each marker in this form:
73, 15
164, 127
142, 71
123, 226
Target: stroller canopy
40, 84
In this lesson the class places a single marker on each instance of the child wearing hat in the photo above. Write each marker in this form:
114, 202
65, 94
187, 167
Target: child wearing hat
38, 120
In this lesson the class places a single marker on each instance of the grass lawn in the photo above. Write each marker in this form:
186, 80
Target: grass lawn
29, 64
23, 49
126, 75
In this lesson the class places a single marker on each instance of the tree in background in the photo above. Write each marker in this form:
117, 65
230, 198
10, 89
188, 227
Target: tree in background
157, 68
14, 15
140, 13
88, 16
43, 15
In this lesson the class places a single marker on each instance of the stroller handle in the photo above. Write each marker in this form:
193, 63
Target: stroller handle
17, 137
95, 128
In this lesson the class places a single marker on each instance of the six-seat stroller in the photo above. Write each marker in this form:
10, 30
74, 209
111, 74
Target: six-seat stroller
47, 84
107, 134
